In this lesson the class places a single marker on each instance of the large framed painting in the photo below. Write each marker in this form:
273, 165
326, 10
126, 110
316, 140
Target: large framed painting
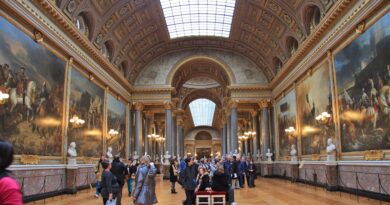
363, 88
86, 102
31, 119
116, 126
315, 115
286, 117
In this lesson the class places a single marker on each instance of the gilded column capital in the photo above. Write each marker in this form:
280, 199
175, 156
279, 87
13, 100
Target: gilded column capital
139, 106
168, 105
253, 113
263, 104
232, 104
180, 122
149, 114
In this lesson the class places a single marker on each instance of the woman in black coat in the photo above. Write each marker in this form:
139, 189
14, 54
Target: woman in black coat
203, 180
173, 175
220, 181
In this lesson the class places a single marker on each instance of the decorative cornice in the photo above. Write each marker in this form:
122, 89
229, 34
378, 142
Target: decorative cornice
249, 87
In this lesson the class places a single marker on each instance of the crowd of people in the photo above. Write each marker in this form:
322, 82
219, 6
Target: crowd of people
223, 175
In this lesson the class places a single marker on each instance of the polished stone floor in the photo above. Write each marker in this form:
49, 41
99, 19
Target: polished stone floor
266, 192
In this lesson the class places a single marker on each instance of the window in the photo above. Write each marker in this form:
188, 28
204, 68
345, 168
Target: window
202, 111
82, 25
198, 17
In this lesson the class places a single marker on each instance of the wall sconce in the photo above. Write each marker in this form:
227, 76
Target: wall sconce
76, 121
113, 132
290, 131
3, 97
323, 118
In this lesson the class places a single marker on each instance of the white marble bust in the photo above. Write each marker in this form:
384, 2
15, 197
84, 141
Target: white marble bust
135, 156
293, 153
269, 155
109, 154
72, 154
258, 155
72, 150
167, 156
331, 150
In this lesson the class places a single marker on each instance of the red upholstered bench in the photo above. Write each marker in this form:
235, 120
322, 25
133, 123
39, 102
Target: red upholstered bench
210, 197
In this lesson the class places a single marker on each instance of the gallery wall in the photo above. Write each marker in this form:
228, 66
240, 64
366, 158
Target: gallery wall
353, 86
46, 91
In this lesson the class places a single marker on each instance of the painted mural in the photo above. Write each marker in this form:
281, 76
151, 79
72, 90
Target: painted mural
363, 86
286, 116
86, 102
33, 77
116, 125
314, 97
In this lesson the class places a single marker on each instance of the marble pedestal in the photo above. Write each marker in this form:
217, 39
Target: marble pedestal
294, 170
71, 175
165, 171
266, 169
331, 176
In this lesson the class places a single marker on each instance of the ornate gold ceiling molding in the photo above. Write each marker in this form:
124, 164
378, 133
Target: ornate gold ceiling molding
68, 27
301, 56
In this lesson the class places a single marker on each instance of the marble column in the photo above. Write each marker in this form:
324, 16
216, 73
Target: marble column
265, 133
225, 137
228, 136
233, 127
168, 128
149, 130
255, 127
180, 138
131, 131
138, 127
174, 134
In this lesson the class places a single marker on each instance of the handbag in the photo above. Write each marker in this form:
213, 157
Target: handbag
112, 202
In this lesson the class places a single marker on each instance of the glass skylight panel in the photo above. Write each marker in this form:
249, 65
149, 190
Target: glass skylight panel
202, 111
198, 17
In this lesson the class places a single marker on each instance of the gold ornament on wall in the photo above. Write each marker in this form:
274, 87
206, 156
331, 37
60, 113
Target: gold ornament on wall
29, 159
374, 155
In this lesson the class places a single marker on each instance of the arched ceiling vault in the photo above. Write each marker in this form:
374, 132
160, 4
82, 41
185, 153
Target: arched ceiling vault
138, 31
202, 93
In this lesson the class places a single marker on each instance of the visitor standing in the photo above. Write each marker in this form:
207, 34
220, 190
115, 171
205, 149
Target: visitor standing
251, 170
9, 188
110, 186
98, 172
119, 170
189, 181
173, 175
130, 170
143, 193
235, 174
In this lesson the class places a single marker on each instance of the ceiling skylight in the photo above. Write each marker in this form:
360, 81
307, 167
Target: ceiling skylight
198, 17
202, 111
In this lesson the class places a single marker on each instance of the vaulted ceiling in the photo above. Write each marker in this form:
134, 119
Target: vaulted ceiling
135, 31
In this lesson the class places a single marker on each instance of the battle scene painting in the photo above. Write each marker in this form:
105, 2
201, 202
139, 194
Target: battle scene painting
286, 117
314, 99
116, 126
363, 86
86, 102
31, 117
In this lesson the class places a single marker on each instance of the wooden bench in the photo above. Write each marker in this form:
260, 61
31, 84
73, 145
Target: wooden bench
210, 198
